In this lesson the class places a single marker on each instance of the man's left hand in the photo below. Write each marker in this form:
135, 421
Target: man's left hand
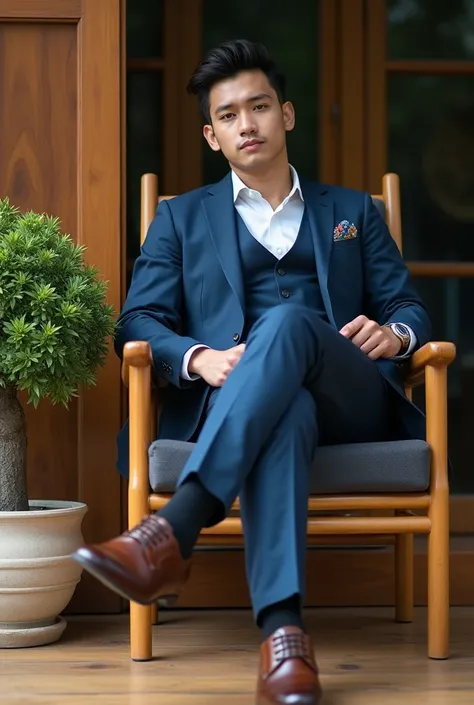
374, 340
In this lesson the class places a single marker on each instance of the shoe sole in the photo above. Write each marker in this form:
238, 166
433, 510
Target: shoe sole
115, 587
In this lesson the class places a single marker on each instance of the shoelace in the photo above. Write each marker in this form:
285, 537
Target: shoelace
149, 532
293, 645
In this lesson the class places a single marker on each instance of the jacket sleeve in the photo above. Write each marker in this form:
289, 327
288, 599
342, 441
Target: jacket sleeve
153, 308
391, 296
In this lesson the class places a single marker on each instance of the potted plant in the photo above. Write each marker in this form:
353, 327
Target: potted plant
54, 330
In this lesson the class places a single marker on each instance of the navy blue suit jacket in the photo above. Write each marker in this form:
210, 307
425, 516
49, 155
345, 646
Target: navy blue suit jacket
187, 288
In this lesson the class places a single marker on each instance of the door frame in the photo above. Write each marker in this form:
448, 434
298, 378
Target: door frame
353, 139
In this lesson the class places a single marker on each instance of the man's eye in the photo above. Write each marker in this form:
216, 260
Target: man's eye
260, 107
227, 116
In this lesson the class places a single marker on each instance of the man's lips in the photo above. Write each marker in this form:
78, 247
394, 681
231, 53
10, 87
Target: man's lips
251, 144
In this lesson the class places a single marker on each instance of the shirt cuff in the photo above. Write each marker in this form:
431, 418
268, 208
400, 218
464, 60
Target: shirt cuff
413, 342
186, 358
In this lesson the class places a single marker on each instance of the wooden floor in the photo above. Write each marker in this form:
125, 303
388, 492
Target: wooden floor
210, 658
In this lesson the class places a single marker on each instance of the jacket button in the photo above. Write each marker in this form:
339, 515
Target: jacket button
281, 271
285, 293
236, 337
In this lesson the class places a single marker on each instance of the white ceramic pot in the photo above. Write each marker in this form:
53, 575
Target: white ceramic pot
37, 575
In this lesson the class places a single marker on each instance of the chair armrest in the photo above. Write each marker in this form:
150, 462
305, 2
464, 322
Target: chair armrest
136, 374
137, 353
436, 354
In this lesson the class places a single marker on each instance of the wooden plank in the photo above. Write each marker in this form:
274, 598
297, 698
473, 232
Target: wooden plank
55, 10
211, 658
38, 76
168, 181
352, 136
441, 269
99, 228
376, 114
218, 576
191, 140
433, 67
329, 98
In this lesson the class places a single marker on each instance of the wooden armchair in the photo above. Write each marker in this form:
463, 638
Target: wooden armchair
412, 478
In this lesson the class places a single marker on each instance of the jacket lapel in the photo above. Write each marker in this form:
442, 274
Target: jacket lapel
320, 207
219, 211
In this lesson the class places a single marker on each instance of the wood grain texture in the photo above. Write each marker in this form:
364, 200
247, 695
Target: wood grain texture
38, 135
41, 9
99, 228
60, 150
210, 658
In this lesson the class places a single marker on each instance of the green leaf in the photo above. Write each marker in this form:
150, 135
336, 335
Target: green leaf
55, 321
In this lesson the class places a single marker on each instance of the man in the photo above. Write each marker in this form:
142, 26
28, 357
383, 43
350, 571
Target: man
279, 311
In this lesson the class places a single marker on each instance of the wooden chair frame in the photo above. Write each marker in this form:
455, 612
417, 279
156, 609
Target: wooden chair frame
416, 513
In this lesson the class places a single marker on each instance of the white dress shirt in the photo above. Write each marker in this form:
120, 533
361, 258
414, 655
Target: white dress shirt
276, 230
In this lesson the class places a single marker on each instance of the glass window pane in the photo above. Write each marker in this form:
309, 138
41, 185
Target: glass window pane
430, 29
144, 145
450, 303
290, 33
431, 147
144, 29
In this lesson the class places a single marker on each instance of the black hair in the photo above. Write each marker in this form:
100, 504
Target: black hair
228, 60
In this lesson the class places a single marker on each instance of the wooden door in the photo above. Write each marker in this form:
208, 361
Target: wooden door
60, 147
412, 67
344, 60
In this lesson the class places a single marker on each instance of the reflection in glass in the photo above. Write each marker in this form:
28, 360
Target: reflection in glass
144, 146
450, 304
290, 33
430, 29
431, 147
144, 29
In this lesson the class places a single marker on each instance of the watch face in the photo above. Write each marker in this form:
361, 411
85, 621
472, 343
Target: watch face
401, 330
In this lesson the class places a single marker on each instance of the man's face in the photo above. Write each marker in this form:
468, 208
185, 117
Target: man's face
249, 124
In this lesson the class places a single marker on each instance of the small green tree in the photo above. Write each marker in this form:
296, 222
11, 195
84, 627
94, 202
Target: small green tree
55, 325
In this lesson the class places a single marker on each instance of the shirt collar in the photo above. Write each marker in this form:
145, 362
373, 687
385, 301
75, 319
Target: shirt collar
239, 187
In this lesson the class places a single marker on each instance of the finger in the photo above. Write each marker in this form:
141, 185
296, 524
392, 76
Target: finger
373, 341
368, 331
377, 352
351, 328
232, 360
221, 378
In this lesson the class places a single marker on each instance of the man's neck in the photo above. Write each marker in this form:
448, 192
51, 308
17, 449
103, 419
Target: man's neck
274, 184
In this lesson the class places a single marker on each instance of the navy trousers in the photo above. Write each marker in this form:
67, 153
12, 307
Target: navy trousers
298, 385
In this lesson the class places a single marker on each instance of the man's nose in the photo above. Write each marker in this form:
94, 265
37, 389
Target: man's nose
247, 125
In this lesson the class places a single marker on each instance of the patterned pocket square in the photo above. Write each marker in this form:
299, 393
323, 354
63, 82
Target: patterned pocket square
345, 231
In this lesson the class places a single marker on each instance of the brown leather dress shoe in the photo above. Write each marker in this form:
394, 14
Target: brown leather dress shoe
142, 565
288, 672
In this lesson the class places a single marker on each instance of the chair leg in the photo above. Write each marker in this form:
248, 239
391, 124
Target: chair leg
438, 580
140, 632
404, 579
154, 613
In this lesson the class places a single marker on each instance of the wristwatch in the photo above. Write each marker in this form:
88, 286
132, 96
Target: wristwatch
403, 334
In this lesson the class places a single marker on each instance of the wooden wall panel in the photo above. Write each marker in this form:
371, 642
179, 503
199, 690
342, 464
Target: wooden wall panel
60, 151
38, 62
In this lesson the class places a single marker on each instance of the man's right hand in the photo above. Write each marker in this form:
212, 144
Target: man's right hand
214, 366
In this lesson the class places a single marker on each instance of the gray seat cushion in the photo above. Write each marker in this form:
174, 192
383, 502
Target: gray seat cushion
395, 466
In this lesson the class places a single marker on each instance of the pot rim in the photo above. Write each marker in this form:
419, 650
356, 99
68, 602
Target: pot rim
51, 508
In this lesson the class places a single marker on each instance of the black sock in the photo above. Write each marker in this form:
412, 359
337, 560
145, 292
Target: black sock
188, 511
286, 613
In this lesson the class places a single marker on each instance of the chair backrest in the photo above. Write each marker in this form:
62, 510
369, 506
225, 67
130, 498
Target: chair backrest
388, 204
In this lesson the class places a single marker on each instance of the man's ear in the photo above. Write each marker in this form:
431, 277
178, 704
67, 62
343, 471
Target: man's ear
210, 138
288, 115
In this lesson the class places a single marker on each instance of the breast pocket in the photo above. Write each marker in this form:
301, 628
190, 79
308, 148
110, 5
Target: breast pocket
346, 245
